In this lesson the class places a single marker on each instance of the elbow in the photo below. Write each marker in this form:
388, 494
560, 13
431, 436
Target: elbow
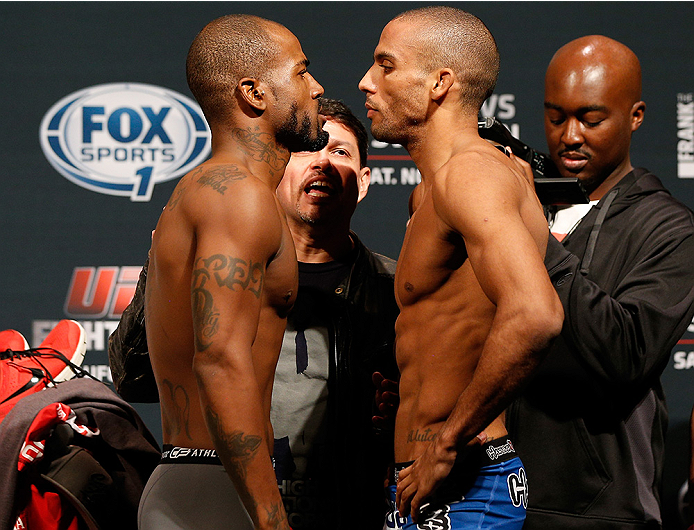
545, 323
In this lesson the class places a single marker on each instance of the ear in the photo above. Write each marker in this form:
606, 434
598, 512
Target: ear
637, 112
363, 181
442, 83
252, 93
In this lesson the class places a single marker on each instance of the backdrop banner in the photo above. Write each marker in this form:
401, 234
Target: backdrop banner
99, 124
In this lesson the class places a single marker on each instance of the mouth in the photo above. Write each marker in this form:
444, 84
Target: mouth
573, 161
320, 187
370, 110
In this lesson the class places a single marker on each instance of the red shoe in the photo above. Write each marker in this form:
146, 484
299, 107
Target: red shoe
61, 353
25, 372
12, 340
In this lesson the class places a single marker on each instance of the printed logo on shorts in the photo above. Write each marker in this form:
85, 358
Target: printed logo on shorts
496, 452
437, 520
518, 488
123, 138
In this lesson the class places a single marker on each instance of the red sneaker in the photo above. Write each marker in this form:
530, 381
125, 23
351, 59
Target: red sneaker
12, 340
30, 370
61, 353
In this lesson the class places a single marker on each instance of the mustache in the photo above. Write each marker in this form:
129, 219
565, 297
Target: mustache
574, 152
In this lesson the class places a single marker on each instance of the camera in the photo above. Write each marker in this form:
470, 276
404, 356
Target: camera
550, 186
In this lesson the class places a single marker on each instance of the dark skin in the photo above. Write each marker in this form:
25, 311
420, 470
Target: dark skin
592, 107
220, 285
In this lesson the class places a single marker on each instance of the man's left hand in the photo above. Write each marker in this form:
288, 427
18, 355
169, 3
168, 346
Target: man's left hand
418, 481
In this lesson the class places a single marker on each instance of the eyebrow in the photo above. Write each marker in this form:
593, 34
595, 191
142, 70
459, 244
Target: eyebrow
582, 110
304, 63
384, 55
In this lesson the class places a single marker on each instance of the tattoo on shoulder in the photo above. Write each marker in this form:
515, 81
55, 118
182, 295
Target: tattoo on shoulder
238, 447
262, 147
225, 271
425, 436
181, 410
177, 194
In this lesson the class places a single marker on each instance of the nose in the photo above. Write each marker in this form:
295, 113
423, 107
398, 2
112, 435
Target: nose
321, 160
572, 133
316, 88
366, 84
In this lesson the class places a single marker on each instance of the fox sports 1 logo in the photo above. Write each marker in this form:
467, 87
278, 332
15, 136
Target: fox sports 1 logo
123, 138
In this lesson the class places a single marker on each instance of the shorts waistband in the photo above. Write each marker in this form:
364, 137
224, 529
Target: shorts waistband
186, 455
489, 453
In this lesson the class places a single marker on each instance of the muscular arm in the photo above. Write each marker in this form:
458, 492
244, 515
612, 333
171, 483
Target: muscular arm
227, 293
486, 211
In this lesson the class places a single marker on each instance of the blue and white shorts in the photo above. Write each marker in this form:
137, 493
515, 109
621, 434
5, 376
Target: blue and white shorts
487, 489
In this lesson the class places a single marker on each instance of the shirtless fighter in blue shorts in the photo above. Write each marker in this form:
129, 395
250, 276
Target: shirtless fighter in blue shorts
477, 308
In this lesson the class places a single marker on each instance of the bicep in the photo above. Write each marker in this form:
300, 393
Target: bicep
227, 280
502, 251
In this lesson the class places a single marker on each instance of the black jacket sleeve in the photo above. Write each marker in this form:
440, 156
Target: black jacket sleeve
128, 355
625, 338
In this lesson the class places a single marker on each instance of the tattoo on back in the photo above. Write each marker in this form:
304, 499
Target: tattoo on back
181, 410
218, 177
262, 147
225, 271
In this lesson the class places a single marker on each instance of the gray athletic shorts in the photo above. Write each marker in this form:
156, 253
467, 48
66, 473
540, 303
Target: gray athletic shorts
190, 490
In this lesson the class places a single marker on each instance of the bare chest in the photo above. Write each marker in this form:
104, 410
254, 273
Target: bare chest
433, 257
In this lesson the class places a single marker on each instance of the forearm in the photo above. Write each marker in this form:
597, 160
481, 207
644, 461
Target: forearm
512, 352
234, 415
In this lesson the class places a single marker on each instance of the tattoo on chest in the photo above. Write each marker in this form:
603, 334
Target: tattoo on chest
238, 447
262, 147
217, 178
225, 271
178, 418
424, 436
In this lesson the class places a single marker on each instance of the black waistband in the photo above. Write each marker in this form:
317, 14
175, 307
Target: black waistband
187, 455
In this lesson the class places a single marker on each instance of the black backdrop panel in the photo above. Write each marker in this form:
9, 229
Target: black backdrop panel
73, 252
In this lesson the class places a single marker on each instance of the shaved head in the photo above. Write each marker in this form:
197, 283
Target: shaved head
596, 56
226, 50
592, 107
448, 37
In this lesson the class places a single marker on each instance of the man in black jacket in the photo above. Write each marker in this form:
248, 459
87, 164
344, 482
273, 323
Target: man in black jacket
330, 460
590, 426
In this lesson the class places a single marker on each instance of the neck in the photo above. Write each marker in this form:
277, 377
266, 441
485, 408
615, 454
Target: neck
249, 146
451, 133
315, 244
610, 182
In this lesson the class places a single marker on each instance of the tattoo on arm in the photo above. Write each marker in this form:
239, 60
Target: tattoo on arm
181, 411
239, 448
226, 271
276, 517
